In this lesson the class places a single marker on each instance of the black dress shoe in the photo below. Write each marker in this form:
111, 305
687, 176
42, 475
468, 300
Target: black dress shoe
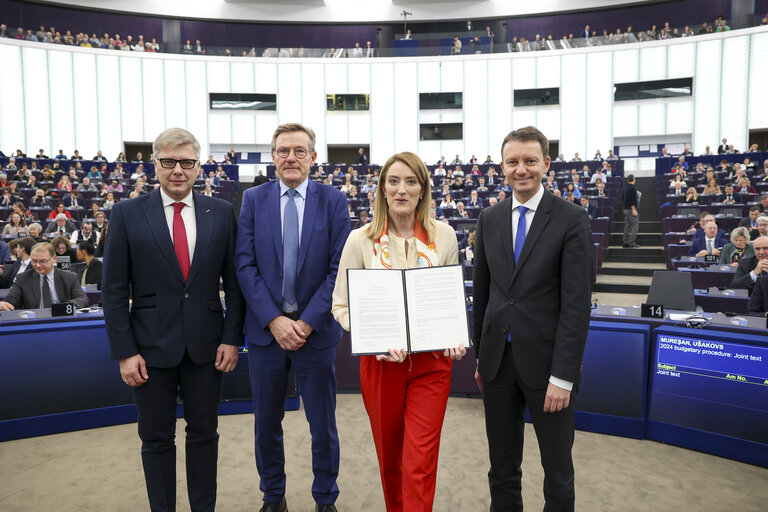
275, 507
326, 508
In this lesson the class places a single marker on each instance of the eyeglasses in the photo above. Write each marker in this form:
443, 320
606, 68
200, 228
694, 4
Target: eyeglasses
40, 262
297, 152
170, 163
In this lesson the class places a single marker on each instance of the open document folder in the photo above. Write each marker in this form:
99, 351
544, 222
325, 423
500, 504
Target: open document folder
419, 309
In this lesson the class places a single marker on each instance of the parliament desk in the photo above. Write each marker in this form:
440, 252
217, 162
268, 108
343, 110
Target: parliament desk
715, 275
715, 300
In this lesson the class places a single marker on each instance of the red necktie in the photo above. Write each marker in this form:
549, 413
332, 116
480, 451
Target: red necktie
180, 240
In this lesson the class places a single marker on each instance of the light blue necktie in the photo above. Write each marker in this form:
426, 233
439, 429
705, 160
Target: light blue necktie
520, 236
290, 251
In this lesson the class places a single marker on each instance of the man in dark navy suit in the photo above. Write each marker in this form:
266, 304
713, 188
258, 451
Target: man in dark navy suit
292, 232
165, 256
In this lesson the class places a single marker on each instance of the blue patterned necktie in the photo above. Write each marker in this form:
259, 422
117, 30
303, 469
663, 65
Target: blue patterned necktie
520, 236
290, 251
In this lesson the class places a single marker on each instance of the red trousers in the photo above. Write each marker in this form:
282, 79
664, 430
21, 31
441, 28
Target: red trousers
406, 405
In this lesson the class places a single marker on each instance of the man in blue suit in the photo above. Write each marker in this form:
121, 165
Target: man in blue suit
291, 235
165, 256
710, 244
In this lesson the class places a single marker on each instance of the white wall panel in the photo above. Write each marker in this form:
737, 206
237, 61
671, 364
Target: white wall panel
733, 116
62, 107
243, 128
429, 76
86, 108
476, 108
13, 135
573, 105
758, 98
242, 77
358, 78
500, 113
175, 94
360, 128
197, 103
451, 76
653, 63
110, 133
524, 116
706, 96
651, 119
265, 78
625, 66
313, 105
524, 73
441, 116
220, 128
681, 60
599, 103
36, 100
335, 78
218, 76
680, 117
382, 107
336, 130
548, 71
289, 98
266, 122
624, 120
131, 99
548, 121
154, 80
406, 107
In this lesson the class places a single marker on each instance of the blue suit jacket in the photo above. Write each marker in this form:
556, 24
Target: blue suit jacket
259, 260
169, 315
758, 300
700, 244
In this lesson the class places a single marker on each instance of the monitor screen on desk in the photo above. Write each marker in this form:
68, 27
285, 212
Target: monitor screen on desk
709, 392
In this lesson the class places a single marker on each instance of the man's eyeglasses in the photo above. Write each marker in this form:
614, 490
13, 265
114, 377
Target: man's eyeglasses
40, 262
297, 152
170, 163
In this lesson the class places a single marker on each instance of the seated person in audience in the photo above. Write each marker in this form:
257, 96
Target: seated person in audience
64, 184
712, 188
62, 285
368, 199
467, 246
115, 186
458, 184
576, 157
493, 201
7, 201
698, 227
36, 232
550, 183
85, 233
737, 173
598, 156
439, 171
665, 153
95, 174
40, 199
475, 171
73, 200
571, 188
353, 194
687, 151
458, 172
758, 299
677, 179
87, 186
560, 158
748, 165
492, 177
448, 201
438, 211
3, 179
488, 160
598, 174
468, 182
611, 155
738, 248
724, 166
682, 163
364, 218
139, 173
21, 248
16, 226
474, 200
101, 221
601, 190
481, 185
505, 186
745, 187
590, 208
584, 173
699, 169
76, 156
460, 211
750, 221
709, 244
750, 268
570, 197
764, 203
99, 157
11, 165
117, 173
691, 196
472, 160
62, 227
91, 274
63, 247
578, 184
762, 174
677, 188
59, 209
139, 158
730, 197
41, 155
456, 161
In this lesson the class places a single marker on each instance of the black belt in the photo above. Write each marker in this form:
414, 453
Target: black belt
293, 315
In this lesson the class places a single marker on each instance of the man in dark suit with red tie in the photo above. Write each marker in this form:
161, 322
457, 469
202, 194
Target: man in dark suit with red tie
165, 256
533, 274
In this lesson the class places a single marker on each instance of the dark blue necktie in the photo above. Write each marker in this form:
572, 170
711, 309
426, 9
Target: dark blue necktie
290, 251
520, 236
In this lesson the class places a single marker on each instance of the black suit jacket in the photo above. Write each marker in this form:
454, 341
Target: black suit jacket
544, 300
92, 272
168, 315
742, 279
758, 299
25, 292
6, 280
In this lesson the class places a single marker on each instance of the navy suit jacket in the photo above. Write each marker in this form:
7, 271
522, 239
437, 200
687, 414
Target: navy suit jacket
259, 260
758, 300
169, 316
700, 244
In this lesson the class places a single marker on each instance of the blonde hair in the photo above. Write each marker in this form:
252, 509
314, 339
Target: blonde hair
381, 210
294, 127
175, 137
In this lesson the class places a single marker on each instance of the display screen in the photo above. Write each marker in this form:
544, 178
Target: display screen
716, 382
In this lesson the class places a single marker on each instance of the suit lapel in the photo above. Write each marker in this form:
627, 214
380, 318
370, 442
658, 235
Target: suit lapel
540, 220
204, 227
275, 219
155, 216
310, 208
58, 283
35, 278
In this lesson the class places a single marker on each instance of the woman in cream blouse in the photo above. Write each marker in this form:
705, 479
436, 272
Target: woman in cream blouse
402, 235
